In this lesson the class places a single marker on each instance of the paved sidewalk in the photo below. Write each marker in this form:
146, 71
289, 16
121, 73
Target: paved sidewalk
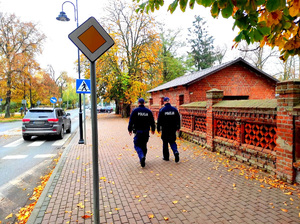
203, 187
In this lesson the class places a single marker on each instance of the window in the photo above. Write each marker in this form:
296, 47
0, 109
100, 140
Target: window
181, 99
162, 101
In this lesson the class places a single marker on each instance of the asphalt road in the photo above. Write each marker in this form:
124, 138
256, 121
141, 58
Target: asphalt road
22, 163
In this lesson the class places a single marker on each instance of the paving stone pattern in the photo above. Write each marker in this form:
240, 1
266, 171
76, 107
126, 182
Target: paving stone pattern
203, 187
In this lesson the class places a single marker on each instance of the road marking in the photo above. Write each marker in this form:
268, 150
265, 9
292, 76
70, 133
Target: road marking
14, 131
15, 157
18, 181
44, 156
59, 142
36, 143
15, 143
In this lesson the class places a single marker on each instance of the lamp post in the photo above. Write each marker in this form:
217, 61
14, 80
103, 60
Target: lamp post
63, 17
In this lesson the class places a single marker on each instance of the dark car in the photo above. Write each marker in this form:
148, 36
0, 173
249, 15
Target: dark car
44, 122
107, 109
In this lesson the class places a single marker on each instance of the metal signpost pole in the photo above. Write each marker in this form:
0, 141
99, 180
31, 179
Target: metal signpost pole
93, 41
84, 118
95, 144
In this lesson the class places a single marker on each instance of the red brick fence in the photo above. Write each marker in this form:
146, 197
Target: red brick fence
261, 133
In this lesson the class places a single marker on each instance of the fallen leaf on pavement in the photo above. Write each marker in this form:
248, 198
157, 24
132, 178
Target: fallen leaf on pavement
86, 216
175, 202
166, 218
80, 205
151, 216
284, 210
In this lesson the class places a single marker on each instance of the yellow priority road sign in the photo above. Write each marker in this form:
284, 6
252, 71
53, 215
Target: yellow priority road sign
91, 39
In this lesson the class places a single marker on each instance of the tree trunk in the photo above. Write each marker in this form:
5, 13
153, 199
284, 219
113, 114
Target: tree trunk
7, 104
117, 106
126, 110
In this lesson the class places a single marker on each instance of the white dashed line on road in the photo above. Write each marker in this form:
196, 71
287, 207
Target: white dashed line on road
15, 157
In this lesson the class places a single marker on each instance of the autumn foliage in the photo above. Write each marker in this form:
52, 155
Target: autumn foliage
131, 66
269, 22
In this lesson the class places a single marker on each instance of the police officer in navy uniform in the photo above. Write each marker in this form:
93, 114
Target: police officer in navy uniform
140, 122
168, 122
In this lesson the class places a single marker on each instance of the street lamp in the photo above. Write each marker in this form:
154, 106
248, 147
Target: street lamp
63, 17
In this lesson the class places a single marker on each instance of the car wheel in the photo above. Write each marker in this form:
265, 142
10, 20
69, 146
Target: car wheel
27, 137
69, 130
61, 135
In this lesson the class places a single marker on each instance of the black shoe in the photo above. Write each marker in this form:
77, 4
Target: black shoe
176, 157
143, 162
165, 159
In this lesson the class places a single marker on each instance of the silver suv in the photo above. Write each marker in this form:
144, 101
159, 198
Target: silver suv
45, 121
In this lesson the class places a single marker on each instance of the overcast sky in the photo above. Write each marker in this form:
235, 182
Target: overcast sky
61, 53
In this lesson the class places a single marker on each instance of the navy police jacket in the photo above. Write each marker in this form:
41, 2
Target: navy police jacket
168, 120
141, 119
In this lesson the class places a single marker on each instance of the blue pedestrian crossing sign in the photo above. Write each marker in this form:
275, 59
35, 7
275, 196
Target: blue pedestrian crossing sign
83, 86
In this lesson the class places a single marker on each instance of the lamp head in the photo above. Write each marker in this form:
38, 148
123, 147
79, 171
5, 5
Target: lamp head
62, 16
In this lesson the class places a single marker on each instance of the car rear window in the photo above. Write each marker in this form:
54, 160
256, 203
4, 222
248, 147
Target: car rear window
39, 114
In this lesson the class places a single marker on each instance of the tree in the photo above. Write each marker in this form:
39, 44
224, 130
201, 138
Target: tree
131, 66
172, 66
258, 55
19, 44
202, 45
290, 69
272, 22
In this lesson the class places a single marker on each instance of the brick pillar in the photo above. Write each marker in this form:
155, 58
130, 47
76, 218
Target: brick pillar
213, 96
289, 96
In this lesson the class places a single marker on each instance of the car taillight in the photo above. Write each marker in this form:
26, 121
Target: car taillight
53, 120
26, 120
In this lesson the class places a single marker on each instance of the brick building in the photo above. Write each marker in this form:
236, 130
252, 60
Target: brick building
232, 109
238, 79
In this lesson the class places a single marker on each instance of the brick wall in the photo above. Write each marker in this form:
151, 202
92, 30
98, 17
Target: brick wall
261, 133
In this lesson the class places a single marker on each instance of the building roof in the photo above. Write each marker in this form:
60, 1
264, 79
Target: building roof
191, 78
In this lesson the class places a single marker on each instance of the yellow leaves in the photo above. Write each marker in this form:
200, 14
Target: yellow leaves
166, 218
284, 210
150, 216
80, 205
294, 8
9, 216
174, 202
289, 193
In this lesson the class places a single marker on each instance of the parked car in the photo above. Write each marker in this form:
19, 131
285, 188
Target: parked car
44, 122
107, 109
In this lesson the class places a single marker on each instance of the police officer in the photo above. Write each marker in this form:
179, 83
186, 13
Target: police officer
140, 122
168, 122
